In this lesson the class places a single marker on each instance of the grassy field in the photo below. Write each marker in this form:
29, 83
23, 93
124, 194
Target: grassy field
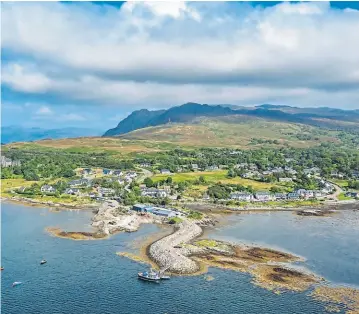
233, 131
214, 177
8, 184
230, 131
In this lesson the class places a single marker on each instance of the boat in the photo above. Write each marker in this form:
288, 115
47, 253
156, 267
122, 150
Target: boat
16, 283
149, 276
2, 268
43, 262
164, 277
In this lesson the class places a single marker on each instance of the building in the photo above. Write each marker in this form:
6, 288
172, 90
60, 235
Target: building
241, 196
211, 168
293, 196
163, 212
106, 171
352, 194
79, 182
153, 192
263, 196
21, 189
72, 191
106, 191
118, 173
194, 167
131, 174
48, 189
285, 180
142, 208
165, 171
86, 171
145, 165
7, 162
280, 196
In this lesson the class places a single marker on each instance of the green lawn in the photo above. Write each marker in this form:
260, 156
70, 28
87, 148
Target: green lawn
214, 177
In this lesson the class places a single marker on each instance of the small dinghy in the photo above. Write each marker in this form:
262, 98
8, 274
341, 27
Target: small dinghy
2, 268
16, 283
43, 262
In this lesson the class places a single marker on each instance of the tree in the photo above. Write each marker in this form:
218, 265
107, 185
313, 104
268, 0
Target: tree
274, 189
169, 180
148, 182
202, 180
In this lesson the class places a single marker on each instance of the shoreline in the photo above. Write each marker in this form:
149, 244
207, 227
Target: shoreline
48, 204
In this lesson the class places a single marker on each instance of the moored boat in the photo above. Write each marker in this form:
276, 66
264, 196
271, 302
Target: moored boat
149, 276
43, 262
2, 268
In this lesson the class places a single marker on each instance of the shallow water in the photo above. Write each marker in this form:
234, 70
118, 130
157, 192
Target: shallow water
88, 277
329, 244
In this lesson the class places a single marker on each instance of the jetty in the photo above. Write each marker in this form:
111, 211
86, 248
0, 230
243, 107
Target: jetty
168, 253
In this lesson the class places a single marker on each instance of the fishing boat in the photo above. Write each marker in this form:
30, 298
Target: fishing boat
43, 262
16, 283
149, 276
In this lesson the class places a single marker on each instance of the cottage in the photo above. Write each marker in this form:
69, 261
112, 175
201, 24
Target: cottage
211, 168
131, 174
105, 191
86, 171
106, 171
79, 182
293, 196
355, 174
145, 165
118, 173
194, 167
285, 180
21, 189
352, 194
72, 191
280, 196
206, 197
153, 192
165, 171
263, 196
48, 189
242, 165
241, 196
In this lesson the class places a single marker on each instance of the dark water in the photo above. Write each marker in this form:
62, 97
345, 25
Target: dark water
88, 277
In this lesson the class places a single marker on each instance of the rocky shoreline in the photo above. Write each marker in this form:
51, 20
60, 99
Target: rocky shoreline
169, 253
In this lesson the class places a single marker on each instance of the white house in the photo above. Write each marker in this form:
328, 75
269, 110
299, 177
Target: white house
285, 180
241, 196
165, 171
263, 196
48, 189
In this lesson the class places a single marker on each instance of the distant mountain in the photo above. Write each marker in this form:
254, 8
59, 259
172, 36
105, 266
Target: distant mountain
11, 134
136, 120
187, 113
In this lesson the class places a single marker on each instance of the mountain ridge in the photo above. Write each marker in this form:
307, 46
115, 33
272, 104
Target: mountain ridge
322, 116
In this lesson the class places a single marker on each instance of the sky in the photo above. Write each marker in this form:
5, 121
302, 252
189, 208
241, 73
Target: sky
91, 64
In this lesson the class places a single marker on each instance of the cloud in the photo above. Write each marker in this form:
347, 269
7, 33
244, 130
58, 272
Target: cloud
156, 54
44, 111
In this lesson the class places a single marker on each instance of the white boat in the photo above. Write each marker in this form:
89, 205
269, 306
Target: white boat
149, 276
43, 262
16, 283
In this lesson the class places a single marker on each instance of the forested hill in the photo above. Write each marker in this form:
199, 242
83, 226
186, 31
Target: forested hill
187, 113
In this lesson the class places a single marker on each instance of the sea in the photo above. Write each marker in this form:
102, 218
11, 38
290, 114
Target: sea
88, 277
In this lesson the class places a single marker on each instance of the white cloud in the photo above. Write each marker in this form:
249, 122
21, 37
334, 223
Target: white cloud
157, 54
44, 111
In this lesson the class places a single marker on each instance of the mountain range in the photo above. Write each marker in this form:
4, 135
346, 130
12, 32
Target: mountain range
11, 134
190, 112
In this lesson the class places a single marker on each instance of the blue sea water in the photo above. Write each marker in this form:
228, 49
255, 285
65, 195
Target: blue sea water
88, 277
